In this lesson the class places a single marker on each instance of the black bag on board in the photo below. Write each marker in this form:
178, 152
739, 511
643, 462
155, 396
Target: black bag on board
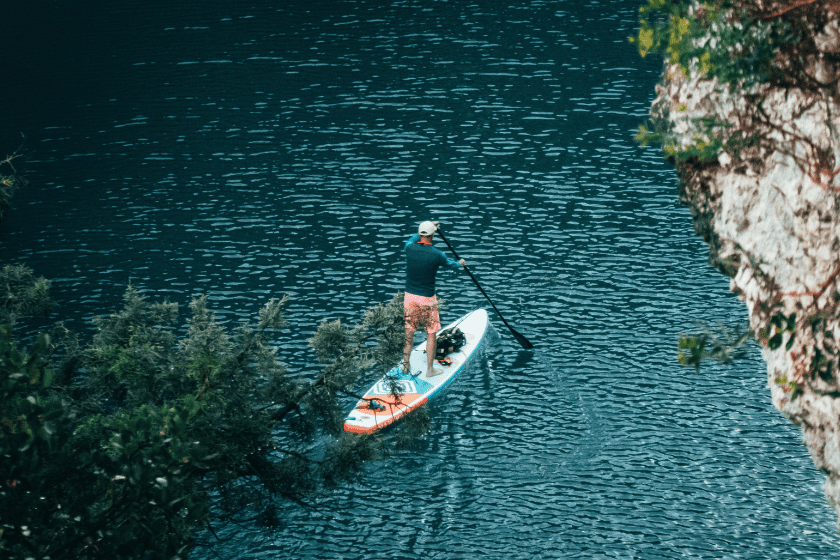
448, 341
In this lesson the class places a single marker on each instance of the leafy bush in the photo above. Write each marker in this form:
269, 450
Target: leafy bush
10, 180
150, 436
725, 39
743, 48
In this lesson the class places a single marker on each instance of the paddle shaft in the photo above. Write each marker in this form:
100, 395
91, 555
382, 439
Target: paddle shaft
521, 339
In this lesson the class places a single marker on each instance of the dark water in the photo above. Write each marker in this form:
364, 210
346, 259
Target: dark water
248, 150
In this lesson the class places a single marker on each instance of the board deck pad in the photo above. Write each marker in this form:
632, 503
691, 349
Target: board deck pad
399, 392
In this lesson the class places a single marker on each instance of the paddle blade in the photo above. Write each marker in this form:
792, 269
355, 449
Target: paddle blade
526, 344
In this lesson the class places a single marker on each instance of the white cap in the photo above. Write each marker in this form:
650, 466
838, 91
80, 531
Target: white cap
426, 228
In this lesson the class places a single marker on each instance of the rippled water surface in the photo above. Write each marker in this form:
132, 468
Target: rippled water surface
248, 150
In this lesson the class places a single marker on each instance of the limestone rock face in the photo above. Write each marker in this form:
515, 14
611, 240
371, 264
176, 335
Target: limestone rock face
770, 211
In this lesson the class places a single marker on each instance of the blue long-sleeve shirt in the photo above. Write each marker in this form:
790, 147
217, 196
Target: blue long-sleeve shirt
422, 263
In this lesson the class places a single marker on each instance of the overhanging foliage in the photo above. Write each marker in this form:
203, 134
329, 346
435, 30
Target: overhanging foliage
143, 436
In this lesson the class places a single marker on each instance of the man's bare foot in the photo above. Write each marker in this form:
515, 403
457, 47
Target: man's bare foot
434, 372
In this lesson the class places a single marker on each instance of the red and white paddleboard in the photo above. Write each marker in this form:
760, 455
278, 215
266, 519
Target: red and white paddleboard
399, 392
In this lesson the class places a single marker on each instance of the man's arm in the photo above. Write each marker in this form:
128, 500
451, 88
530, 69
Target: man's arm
411, 240
449, 263
456, 265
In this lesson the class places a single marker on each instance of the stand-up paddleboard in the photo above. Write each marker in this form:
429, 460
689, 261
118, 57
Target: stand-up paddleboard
380, 406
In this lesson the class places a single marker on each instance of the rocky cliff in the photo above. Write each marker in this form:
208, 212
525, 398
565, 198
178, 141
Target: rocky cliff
758, 166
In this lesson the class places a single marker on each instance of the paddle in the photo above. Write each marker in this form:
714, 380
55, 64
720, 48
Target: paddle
521, 339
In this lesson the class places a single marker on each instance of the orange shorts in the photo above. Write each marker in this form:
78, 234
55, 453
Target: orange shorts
420, 309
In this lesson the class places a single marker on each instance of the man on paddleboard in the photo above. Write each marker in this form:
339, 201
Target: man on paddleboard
420, 305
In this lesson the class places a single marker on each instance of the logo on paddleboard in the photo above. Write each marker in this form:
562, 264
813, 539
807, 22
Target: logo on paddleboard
398, 386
